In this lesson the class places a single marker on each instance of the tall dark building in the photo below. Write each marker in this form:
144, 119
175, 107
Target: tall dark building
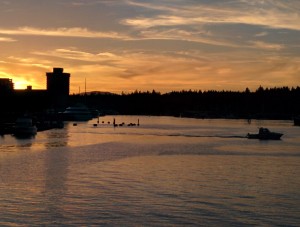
6, 86
58, 87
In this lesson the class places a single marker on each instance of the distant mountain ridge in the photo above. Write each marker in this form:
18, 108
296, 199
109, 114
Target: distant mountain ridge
96, 93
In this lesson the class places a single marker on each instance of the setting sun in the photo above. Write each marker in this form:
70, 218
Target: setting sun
22, 83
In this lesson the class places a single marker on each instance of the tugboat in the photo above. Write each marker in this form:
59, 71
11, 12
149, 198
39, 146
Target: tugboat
265, 134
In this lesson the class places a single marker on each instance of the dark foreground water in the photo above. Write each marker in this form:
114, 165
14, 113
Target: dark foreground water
166, 172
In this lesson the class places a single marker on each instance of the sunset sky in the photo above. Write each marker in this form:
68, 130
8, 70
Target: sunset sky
166, 45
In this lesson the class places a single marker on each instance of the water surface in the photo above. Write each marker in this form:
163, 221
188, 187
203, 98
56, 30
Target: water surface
166, 172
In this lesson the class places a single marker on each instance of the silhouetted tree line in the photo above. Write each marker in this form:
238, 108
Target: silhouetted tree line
271, 103
268, 103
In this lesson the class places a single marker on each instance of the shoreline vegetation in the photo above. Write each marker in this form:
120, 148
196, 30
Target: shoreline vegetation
281, 103
271, 103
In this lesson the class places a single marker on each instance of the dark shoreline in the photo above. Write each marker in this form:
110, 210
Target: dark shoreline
263, 104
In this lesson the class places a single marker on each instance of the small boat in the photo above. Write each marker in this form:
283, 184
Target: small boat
24, 127
265, 134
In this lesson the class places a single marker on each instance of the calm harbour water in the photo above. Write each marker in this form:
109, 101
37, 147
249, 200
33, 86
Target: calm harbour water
166, 172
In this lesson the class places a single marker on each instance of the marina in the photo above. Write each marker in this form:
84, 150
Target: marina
150, 113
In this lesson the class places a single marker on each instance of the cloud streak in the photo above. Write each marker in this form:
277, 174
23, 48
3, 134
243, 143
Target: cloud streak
7, 39
63, 32
267, 46
272, 14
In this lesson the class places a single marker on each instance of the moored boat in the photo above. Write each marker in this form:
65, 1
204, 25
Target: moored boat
24, 127
265, 134
77, 112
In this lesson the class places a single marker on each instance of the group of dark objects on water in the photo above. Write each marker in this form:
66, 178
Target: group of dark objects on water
123, 123
114, 124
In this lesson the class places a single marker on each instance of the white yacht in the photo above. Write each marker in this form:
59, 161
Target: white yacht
78, 112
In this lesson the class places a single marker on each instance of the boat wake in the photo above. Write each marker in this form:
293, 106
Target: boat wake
210, 136
171, 135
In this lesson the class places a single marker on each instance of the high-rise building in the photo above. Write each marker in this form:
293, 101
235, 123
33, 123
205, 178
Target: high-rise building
6, 86
58, 82
58, 86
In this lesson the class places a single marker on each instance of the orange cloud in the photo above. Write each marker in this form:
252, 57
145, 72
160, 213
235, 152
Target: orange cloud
7, 39
271, 13
267, 46
63, 32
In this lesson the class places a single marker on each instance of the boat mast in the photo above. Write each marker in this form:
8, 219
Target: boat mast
84, 86
85, 91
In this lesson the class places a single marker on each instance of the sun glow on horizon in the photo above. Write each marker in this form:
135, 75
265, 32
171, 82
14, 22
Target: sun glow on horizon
22, 83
